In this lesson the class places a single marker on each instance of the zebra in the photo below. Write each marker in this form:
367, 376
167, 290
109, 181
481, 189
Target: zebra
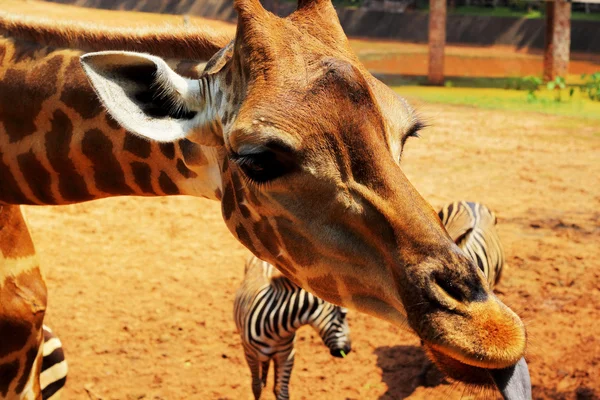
268, 310
53, 374
472, 226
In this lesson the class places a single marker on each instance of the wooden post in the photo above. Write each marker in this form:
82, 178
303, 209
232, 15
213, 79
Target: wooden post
558, 39
437, 41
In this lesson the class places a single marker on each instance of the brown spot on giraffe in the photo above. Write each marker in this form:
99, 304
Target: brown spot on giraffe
228, 201
76, 93
23, 94
30, 357
267, 236
8, 373
142, 174
10, 192
218, 194
244, 237
108, 174
166, 184
185, 171
137, 146
71, 185
168, 150
111, 122
38, 177
15, 334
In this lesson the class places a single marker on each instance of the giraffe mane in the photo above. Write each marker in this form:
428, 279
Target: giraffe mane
198, 40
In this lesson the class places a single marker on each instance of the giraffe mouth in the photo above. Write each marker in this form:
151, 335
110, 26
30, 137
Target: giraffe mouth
513, 382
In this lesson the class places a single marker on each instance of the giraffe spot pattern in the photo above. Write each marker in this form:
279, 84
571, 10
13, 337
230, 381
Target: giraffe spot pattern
108, 174
168, 149
218, 194
111, 122
266, 235
37, 177
166, 184
14, 334
192, 153
228, 202
137, 146
142, 174
71, 184
184, 170
252, 198
298, 247
237, 186
244, 210
10, 193
244, 238
29, 360
77, 92
23, 94
8, 372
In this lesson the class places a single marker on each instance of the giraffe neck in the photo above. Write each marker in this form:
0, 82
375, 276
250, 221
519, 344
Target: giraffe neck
58, 145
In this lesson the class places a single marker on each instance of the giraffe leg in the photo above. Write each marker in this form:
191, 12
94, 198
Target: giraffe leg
254, 365
22, 309
284, 362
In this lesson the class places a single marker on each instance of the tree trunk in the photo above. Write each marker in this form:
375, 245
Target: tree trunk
558, 39
437, 41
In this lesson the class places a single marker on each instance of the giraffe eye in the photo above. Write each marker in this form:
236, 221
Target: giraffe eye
265, 166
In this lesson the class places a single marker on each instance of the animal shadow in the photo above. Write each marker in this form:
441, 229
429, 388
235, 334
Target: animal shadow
404, 368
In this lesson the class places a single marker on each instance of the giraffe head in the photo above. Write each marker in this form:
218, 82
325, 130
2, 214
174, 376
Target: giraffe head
309, 146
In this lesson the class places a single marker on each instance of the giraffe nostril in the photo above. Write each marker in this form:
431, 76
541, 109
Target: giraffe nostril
450, 288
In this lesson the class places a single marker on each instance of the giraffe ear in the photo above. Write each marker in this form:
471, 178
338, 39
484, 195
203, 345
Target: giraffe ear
148, 98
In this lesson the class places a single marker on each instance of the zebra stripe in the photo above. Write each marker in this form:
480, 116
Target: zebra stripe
472, 226
53, 375
268, 309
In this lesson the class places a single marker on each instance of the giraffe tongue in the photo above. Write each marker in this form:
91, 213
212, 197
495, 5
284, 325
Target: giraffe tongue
513, 382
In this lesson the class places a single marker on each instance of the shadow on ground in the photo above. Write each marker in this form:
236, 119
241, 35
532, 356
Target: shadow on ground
404, 369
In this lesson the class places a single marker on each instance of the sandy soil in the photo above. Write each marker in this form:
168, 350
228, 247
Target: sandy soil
410, 59
141, 290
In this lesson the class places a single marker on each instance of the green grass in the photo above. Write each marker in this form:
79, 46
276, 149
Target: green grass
501, 99
466, 81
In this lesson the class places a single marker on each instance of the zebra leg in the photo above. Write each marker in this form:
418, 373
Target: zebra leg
284, 362
54, 367
254, 365
22, 309
265, 372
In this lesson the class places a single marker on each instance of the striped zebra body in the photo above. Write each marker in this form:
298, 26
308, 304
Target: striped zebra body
268, 310
53, 374
472, 226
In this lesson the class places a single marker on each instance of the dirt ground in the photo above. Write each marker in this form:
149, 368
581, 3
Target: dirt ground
411, 59
141, 290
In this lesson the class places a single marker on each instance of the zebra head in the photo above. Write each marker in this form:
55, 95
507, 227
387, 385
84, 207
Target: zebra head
333, 328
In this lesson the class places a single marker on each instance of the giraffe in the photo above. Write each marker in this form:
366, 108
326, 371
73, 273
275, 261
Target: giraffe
301, 146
